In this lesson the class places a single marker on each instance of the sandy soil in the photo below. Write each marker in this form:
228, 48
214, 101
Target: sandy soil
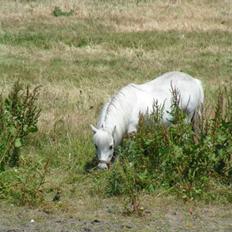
175, 217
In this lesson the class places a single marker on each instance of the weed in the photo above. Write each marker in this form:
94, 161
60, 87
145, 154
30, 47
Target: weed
19, 115
171, 158
18, 118
57, 12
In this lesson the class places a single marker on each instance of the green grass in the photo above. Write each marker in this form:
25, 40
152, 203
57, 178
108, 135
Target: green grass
149, 53
86, 33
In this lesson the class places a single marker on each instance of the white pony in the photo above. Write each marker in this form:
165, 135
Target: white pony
120, 115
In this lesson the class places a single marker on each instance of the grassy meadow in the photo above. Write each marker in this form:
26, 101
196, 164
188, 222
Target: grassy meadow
80, 58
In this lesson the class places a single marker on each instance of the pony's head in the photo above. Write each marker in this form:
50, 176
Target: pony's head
104, 144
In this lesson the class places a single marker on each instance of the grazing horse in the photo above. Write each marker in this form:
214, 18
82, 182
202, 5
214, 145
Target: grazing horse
120, 115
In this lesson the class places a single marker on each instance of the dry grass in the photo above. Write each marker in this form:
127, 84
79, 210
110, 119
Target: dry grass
131, 15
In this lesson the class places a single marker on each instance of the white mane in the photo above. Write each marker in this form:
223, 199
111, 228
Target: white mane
115, 111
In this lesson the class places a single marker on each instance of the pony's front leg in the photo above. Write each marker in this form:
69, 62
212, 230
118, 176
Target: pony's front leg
132, 130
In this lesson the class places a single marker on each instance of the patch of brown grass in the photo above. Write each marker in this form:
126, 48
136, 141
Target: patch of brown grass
130, 15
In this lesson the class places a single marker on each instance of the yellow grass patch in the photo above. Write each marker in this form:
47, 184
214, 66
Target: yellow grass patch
126, 16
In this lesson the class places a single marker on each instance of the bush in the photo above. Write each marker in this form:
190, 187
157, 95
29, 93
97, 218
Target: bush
182, 158
18, 118
57, 12
19, 115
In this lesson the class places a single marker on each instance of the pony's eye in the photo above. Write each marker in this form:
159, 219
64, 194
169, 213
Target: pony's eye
111, 147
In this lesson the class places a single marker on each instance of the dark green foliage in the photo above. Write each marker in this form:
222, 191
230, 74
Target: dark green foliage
180, 158
18, 118
58, 12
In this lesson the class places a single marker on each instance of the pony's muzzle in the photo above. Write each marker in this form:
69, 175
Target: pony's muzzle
103, 164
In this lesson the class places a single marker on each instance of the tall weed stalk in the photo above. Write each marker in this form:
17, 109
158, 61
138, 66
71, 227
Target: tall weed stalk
19, 115
20, 182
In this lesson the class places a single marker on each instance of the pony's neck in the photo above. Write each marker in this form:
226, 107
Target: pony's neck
111, 123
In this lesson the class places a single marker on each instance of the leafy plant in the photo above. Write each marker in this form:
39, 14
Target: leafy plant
21, 180
179, 157
18, 118
123, 180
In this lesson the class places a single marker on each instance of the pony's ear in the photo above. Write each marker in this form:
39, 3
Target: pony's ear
94, 129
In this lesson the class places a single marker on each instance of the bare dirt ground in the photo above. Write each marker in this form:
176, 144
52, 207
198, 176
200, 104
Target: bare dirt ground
158, 215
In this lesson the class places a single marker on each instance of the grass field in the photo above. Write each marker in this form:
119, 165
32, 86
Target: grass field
79, 61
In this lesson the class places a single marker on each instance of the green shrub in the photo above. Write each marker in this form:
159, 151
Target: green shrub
18, 118
57, 12
181, 158
21, 180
